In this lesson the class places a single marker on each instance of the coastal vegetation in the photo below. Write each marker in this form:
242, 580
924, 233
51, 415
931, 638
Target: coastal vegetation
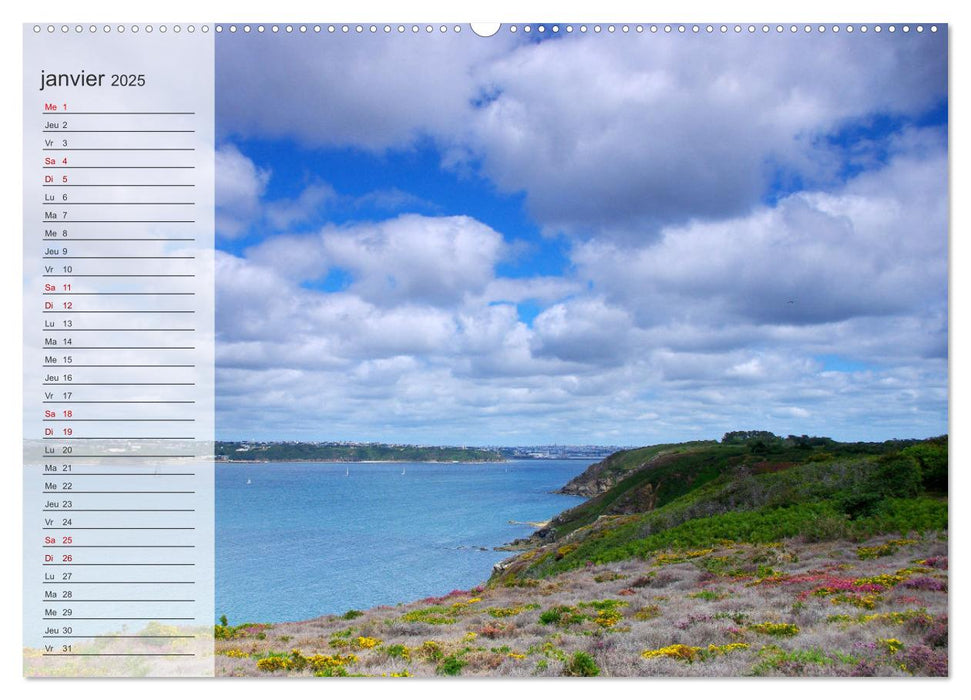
753, 556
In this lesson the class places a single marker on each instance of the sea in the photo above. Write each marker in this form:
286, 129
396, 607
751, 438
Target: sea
299, 540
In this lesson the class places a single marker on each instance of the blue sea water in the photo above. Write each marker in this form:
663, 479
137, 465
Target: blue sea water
299, 540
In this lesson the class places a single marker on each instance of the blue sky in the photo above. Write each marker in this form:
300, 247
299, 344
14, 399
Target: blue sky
420, 184
598, 239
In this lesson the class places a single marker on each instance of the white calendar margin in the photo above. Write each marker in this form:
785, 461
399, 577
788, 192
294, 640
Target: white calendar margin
708, 11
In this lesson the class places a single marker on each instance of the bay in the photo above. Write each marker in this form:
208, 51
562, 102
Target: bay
299, 540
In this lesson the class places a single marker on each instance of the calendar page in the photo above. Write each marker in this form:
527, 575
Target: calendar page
512, 350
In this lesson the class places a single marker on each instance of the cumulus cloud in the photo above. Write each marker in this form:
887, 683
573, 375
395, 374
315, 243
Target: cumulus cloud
413, 258
697, 324
242, 207
601, 137
601, 133
239, 187
545, 289
366, 91
433, 260
281, 214
876, 247
691, 302
585, 331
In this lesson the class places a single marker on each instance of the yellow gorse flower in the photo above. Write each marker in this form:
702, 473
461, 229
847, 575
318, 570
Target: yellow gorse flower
681, 652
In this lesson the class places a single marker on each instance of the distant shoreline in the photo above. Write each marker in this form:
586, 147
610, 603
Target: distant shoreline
359, 461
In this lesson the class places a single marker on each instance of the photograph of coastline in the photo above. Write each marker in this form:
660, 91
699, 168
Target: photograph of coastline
576, 352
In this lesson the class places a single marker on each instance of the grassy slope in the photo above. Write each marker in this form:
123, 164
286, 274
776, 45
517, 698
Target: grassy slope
673, 470
619, 465
715, 493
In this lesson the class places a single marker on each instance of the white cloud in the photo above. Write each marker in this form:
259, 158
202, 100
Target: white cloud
877, 247
242, 209
283, 213
411, 258
393, 199
367, 91
543, 289
615, 134
603, 137
584, 331
694, 308
432, 260
695, 329
239, 186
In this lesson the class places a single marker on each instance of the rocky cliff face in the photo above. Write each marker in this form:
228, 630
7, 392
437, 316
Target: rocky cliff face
600, 477
639, 500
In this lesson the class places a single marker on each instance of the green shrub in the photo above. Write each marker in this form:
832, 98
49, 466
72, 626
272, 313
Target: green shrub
932, 458
897, 476
581, 664
776, 629
331, 672
432, 615
431, 651
772, 658
450, 666
860, 503
398, 651
562, 615
904, 515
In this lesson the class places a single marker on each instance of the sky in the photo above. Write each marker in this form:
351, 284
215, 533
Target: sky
581, 238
